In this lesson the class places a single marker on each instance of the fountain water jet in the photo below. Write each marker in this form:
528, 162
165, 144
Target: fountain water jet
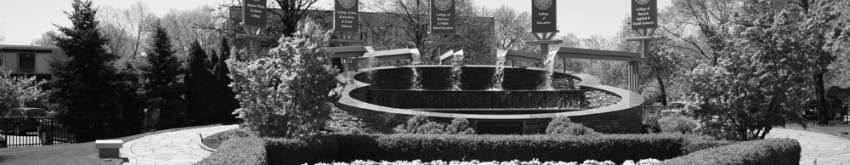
415, 60
499, 74
371, 61
549, 63
457, 70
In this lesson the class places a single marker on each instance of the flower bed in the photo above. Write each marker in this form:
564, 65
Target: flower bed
476, 162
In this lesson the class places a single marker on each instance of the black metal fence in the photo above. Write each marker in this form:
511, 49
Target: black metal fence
22, 132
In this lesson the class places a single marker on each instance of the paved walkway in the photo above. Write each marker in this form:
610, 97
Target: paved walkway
177, 147
817, 147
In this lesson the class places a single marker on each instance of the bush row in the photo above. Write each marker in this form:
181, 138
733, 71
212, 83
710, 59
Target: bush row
476, 162
760, 152
249, 150
483, 147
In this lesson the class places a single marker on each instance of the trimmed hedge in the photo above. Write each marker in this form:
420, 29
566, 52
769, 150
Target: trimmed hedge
618, 148
760, 152
248, 150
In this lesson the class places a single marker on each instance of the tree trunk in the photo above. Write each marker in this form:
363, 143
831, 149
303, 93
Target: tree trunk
823, 111
663, 97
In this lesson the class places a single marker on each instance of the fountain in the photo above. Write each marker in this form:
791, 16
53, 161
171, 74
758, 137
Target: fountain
496, 99
499, 75
549, 64
416, 59
457, 65
371, 61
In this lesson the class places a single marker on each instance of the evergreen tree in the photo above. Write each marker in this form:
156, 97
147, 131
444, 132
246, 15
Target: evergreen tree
162, 86
97, 101
200, 84
227, 98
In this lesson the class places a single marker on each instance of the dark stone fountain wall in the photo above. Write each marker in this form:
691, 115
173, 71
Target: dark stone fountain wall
438, 78
390, 87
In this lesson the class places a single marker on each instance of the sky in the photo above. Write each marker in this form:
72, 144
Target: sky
22, 21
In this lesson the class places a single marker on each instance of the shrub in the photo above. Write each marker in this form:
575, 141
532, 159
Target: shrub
460, 126
650, 119
239, 151
476, 162
423, 125
563, 126
14, 90
480, 147
677, 124
288, 92
759, 152
215, 140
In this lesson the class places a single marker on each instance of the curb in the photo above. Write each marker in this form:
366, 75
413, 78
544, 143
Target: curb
205, 147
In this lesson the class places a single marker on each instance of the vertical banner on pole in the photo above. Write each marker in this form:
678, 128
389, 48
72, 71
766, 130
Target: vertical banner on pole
254, 13
345, 16
543, 16
443, 16
644, 14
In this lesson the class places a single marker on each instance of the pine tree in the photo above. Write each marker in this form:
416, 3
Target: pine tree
162, 86
200, 84
227, 98
97, 100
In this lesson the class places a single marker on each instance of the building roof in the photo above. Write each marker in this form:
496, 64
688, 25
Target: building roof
349, 51
26, 47
392, 52
531, 55
565, 52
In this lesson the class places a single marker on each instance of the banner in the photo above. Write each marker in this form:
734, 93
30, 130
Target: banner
543, 16
644, 14
254, 12
345, 16
443, 16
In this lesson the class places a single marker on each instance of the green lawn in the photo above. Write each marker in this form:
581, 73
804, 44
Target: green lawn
79, 153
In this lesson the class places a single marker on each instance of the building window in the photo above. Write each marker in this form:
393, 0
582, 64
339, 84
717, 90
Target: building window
26, 62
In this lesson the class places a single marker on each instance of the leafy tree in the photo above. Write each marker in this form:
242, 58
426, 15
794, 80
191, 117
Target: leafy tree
17, 90
821, 31
761, 78
287, 93
47, 39
227, 102
98, 100
200, 84
187, 26
162, 85
289, 13
512, 28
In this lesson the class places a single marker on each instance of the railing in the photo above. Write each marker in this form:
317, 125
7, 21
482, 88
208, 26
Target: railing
23, 132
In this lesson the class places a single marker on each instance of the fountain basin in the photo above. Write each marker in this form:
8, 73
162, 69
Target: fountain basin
383, 97
519, 100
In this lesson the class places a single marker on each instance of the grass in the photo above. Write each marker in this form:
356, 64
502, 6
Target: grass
836, 128
78, 153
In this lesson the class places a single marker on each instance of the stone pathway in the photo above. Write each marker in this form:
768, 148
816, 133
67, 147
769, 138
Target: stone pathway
817, 147
176, 147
